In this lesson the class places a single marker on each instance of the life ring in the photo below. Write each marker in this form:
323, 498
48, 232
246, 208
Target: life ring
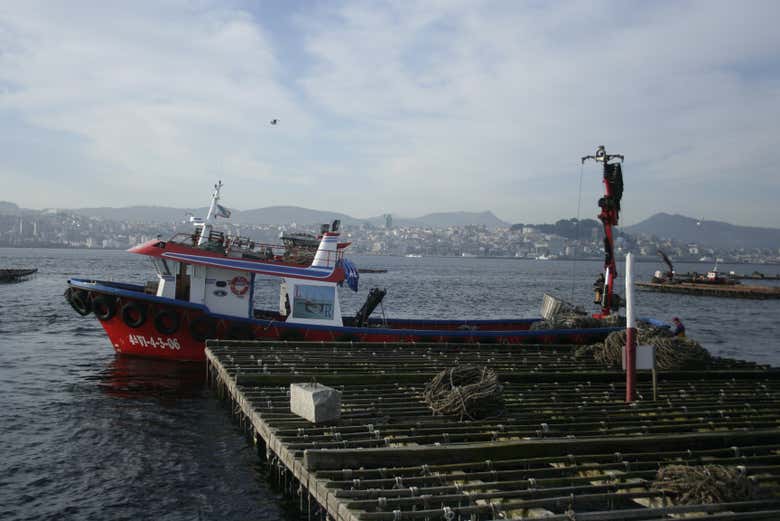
202, 328
167, 321
104, 307
239, 285
134, 314
78, 300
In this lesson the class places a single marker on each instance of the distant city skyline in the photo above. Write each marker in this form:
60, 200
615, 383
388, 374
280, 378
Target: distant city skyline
380, 107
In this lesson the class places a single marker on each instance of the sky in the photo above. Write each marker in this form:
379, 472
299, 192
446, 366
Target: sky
393, 107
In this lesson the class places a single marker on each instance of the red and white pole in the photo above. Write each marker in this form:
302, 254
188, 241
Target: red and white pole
630, 332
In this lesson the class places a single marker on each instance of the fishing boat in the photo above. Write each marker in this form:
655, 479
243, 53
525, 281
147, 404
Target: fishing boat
205, 285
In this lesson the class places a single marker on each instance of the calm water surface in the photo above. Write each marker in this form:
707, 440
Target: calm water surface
85, 434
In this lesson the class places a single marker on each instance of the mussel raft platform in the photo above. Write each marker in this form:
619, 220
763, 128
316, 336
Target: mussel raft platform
568, 447
712, 290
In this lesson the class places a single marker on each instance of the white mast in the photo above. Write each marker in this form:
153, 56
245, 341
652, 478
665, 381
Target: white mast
206, 226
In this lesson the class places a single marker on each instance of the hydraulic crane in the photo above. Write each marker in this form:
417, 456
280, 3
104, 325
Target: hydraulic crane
610, 210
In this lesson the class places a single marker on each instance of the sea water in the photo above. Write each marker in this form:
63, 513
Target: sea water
86, 434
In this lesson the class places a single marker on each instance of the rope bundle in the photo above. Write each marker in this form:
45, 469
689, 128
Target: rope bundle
671, 352
705, 484
466, 390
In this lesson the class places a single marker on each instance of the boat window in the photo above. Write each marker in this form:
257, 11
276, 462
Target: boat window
313, 302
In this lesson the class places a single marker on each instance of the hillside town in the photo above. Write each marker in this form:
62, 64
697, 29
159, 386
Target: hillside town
565, 239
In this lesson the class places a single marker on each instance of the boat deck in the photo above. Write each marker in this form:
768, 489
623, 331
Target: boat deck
713, 290
568, 446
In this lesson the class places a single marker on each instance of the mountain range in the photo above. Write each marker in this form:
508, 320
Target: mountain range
277, 215
285, 215
712, 234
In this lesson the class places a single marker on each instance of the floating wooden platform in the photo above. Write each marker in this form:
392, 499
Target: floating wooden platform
16, 275
568, 447
756, 276
713, 290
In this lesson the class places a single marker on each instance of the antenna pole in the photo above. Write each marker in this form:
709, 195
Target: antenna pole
207, 224
610, 210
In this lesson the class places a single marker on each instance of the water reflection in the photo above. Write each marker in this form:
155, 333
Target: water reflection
134, 377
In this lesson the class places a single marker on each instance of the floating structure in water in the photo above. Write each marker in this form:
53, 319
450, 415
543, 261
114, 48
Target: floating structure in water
756, 275
712, 284
567, 446
712, 290
16, 275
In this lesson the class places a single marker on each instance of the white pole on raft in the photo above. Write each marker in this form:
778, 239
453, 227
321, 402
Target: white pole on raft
630, 331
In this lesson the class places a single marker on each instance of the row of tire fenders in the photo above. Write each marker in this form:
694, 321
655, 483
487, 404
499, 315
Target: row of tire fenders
168, 321
134, 314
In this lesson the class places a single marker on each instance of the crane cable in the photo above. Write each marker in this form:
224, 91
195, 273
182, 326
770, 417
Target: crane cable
576, 234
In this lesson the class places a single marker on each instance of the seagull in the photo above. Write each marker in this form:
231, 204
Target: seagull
274, 121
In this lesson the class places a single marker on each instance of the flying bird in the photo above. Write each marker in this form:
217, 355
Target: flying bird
274, 121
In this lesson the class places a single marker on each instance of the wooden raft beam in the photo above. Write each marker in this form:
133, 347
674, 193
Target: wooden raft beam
327, 378
317, 459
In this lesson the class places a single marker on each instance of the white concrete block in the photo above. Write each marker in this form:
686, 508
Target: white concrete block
315, 402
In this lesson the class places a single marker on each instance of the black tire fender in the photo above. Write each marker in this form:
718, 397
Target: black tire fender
79, 301
202, 328
134, 314
167, 321
104, 307
240, 331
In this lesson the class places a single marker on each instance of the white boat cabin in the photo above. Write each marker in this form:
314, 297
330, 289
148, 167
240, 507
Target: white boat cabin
218, 272
308, 295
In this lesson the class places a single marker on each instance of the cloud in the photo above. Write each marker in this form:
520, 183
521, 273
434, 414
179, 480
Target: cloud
159, 96
408, 109
492, 101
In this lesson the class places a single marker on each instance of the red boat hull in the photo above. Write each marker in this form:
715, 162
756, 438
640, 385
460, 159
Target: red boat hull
164, 330
147, 341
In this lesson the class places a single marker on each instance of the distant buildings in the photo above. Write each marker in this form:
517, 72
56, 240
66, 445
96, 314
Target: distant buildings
67, 230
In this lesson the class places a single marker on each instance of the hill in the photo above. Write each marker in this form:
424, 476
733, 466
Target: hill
446, 219
6, 207
280, 215
142, 214
712, 234
289, 214
285, 215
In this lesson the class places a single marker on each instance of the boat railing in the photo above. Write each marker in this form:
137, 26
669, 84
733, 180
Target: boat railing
248, 248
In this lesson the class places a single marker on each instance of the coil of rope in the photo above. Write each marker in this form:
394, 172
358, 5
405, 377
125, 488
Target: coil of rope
705, 484
465, 390
671, 352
